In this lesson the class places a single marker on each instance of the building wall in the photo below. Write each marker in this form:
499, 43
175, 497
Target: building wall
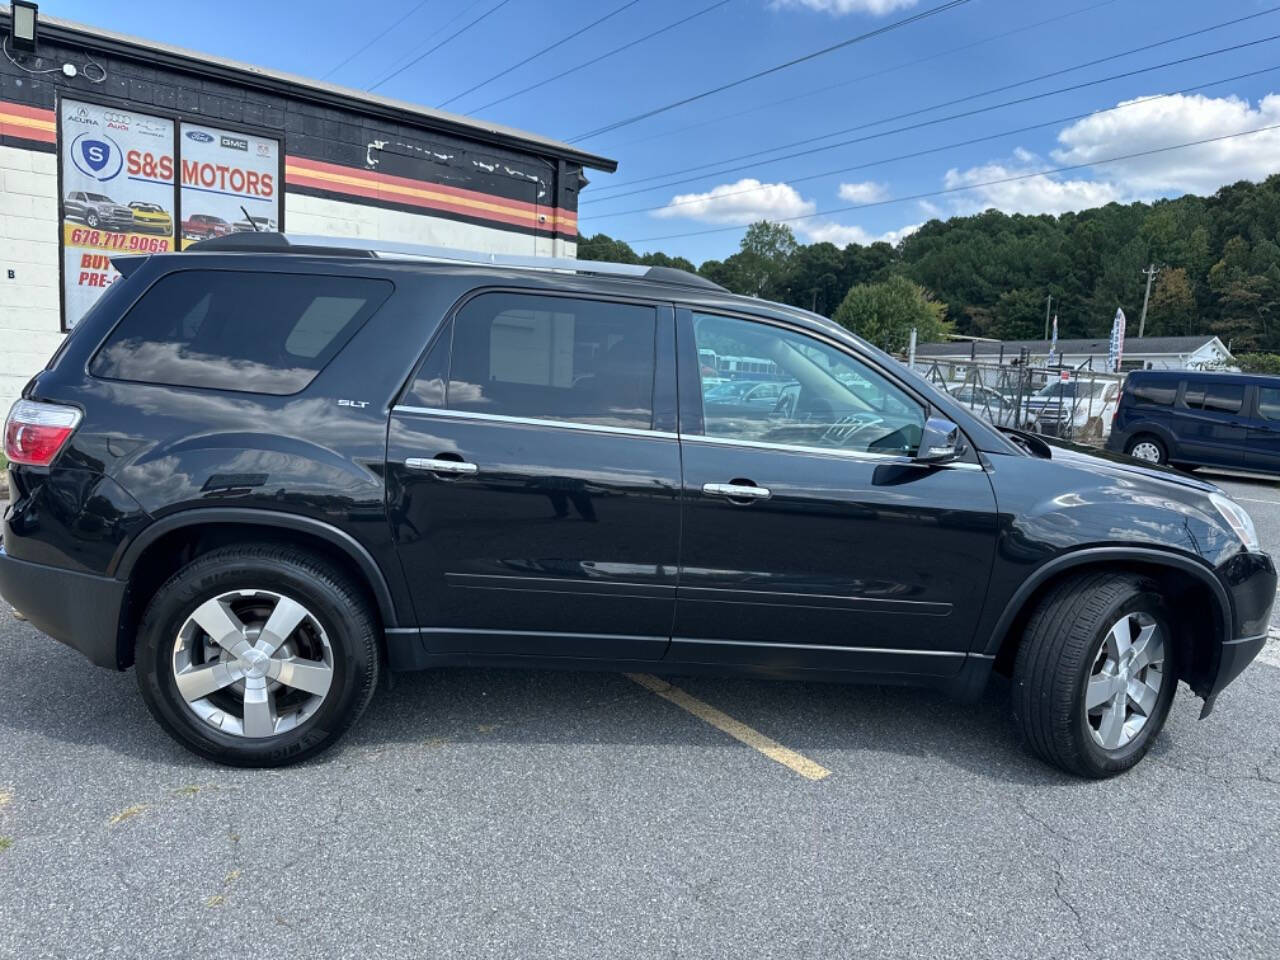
346, 174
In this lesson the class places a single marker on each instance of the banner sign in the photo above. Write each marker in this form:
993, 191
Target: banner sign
230, 182
1115, 351
117, 174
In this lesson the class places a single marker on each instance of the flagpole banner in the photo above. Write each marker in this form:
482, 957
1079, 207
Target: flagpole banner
229, 183
118, 195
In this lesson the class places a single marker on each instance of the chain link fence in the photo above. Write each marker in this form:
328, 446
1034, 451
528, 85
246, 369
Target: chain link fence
1061, 402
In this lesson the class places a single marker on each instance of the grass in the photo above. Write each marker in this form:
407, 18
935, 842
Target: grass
5, 843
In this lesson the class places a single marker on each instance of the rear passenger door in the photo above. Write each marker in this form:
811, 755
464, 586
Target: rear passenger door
1211, 426
1263, 449
533, 476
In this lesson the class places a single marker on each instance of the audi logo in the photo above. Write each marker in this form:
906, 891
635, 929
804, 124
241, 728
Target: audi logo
117, 117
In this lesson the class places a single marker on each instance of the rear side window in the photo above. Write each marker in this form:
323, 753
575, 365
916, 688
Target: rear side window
1269, 403
554, 358
1153, 393
228, 330
1214, 397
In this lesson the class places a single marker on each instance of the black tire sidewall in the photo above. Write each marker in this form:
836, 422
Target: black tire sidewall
347, 626
1105, 762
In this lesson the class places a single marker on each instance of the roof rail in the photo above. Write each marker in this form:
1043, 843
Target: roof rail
250, 242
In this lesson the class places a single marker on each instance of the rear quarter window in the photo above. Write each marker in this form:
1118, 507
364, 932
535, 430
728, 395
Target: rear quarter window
235, 330
1155, 394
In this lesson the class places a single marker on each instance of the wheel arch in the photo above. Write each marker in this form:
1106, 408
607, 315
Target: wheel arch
149, 558
1186, 584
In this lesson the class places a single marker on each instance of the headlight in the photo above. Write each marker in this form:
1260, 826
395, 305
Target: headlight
1237, 519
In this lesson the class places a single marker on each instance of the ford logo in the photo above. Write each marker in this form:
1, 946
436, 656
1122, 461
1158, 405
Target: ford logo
199, 136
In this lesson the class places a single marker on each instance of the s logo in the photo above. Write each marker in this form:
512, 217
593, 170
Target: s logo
97, 156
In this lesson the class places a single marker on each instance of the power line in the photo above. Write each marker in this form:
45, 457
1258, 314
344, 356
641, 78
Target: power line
535, 56
603, 56
441, 28
971, 186
705, 172
412, 10
879, 31
942, 149
756, 108
457, 33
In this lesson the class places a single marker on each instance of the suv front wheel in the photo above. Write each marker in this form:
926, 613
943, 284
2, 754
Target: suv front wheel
1095, 674
257, 655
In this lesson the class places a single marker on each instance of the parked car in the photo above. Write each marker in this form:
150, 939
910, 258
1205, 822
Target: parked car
151, 218
1081, 409
1194, 419
254, 225
96, 210
265, 469
747, 398
202, 226
986, 402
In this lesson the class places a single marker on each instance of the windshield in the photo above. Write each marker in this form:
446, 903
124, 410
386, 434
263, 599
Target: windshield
1068, 391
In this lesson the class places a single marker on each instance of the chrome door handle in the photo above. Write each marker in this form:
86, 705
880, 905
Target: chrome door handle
736, 491
456, 467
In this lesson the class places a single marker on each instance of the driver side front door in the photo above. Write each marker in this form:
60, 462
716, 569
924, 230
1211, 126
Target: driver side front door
810, 538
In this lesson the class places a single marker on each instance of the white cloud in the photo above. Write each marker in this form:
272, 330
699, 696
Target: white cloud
747, 200
1032, 194
866, 192
1177, 119
844, 234
838, 8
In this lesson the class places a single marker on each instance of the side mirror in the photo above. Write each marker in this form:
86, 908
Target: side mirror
939, 442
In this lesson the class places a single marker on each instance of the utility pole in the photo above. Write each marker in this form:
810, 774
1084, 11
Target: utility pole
1047, 307
1150, 274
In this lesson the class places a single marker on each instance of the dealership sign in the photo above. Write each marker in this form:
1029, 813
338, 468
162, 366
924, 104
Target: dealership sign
125, 192
117, 195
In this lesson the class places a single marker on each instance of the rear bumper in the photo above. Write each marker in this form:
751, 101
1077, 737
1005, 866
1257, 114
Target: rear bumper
78, 609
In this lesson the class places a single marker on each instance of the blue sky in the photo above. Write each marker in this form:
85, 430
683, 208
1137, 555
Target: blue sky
959, 53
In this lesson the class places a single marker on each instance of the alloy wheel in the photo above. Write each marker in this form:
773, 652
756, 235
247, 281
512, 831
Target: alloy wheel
253, 663
1146, 450
1125, 683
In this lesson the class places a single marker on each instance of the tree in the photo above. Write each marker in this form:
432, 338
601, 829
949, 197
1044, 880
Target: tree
604, 248
1173, 304
884, 313
765, 257
1259, 362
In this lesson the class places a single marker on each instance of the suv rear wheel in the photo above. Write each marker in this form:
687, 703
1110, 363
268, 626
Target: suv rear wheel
257, 655
1095, 674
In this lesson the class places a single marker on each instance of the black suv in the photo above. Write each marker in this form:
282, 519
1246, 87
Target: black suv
266, 469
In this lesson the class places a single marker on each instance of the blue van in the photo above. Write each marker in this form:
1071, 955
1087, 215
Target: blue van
1193, 419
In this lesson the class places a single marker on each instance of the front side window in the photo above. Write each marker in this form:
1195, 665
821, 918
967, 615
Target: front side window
554, 358
235, 330
817, 395
1269, 403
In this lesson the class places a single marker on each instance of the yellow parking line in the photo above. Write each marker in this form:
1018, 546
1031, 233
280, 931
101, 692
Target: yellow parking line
734, 728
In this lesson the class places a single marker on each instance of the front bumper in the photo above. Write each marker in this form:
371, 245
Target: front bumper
78, 609
1251, 579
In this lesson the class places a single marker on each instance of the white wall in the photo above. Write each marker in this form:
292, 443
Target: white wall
29, 306
29, 247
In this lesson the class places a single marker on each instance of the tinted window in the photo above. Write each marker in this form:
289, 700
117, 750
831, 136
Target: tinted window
554, 358
826, 398
1216, 397
253, 332
1157, 393
1269, 403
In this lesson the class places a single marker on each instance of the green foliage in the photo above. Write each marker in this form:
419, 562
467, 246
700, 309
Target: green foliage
884, 313
1259, 362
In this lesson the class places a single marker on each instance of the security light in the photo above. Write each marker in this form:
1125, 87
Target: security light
24, 25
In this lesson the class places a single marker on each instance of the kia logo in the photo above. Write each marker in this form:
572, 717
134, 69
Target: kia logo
199, 136
97, 156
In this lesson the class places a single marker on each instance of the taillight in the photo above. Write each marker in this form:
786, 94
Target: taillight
36, 431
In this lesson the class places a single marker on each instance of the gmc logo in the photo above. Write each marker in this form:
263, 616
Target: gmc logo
235, 143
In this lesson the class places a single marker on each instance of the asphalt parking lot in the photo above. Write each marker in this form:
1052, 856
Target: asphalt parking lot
530, 814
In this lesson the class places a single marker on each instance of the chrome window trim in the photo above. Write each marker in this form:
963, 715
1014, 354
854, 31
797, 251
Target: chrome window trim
769, 645
858, 455
534, 422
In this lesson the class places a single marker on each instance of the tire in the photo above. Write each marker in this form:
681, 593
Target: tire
91, 221
308, 691
1149, 442
1060, 664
